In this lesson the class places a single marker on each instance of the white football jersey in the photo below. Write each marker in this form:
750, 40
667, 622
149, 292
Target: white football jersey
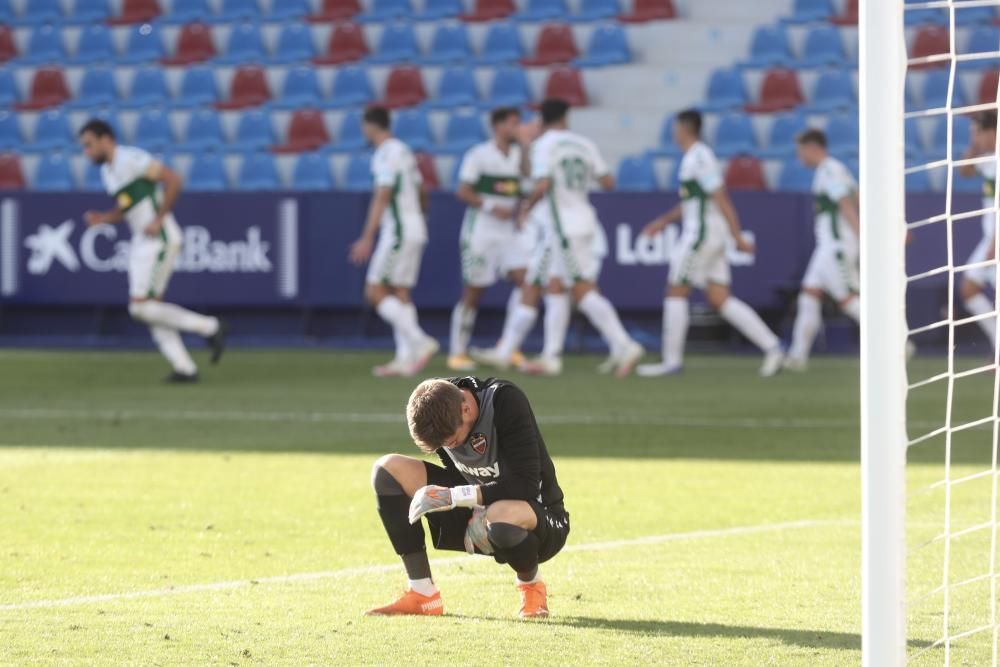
572, 163
494, 175
394, 166
988, 170
700, 176
124, 178
832, 182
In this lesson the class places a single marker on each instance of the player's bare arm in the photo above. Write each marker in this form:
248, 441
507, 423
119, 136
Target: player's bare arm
660, 223
725, 204
541, 188
111, 217
361, 250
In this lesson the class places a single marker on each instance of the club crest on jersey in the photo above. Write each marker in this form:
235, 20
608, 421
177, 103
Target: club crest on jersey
478, 442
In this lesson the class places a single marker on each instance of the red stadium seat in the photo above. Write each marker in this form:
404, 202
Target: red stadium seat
249, 89
347, 43
649, 10
565, 83
931, 40
490, 10
336, 10
11, 176
850, 15
194, 45
48, 89
745, 173
306, 132
428, 171
555, 45
136, 11
988, 87
404, 88
8, 49
779, 91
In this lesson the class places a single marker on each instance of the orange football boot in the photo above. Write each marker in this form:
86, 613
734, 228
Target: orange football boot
534, 600
412, 604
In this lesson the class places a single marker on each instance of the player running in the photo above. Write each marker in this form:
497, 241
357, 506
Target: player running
833, 268
397, 207
492, 243
708, 224
134, 178
497, 493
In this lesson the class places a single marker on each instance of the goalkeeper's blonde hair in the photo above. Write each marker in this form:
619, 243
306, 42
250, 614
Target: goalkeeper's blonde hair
434, 413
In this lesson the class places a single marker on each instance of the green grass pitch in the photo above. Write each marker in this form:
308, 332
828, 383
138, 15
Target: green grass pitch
715, 518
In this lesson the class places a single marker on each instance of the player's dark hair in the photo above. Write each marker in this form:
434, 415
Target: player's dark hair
99, 128
987, 120
812, 136
377, 116
553, 110
434, 413
502, 114
691, 119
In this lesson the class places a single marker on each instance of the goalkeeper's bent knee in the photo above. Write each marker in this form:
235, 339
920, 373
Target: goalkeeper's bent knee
514, 545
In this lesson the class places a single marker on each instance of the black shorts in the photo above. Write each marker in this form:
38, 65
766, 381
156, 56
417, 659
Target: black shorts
448, 528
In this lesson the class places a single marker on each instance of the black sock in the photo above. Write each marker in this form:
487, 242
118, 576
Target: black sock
517, 547
407, 539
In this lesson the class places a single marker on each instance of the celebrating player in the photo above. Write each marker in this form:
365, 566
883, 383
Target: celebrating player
397, 206
491, 243
133, 177
497, 493
709, 222
833, 267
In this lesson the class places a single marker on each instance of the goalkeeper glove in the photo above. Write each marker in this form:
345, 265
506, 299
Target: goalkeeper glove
475, 533
441, 499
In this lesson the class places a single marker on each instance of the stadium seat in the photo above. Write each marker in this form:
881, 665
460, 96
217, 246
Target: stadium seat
779, 91
794, 177
769, 48
48, 89
440, 9
39, 12
404, 88
346, 44
974, 15
358, 175
11, 176
254, 131
849, 16
413, 128
148, 89
397, 44
781, 137
9, 95
94, 46
7, 13
44, 46
306, 132
351, 87
428, 171
53, 174
311, 173
143, 45
490, 10
987, 90
983, 39
92, 181
203, 132
350, 138
198, 88
596, 10
636, 174
248, 89
806, 11
914, 141
52, 132
934, 93
109, 116
11, 137
463, 131
725, 91
509, 88
842, 134
608, 45
207, 173
381, 11
918, 181
299, 89
233, 11
834, 90
456, 88
89, 11
194, 45
245, 45
665, 146
745, 172
931, 40
649, 10
8, 48
450, 44
137, 11
961, 133
566, 84
336, 10
920, 17
153, 131
289, 10
188, 11
823, 47
501, 45
97, 89
734, 135
258, 171
543, 10
555, 44
295, 44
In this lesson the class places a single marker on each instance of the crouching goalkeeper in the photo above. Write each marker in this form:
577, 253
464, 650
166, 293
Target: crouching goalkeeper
497, 493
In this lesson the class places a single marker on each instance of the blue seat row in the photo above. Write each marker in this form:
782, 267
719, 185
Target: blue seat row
834, 90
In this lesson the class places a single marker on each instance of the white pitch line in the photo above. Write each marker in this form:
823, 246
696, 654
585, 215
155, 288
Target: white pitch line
376, 569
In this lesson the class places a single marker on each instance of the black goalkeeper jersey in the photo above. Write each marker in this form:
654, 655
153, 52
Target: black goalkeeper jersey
505, 453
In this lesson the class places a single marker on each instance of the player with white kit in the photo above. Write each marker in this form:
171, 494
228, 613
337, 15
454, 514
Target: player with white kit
396, 209
709, 224
133, 177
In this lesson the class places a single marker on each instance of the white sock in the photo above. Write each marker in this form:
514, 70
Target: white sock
979, 305
534, 580
603, 316
404, 351
391, 310
516, 329
675, 327
172, 347
411, 326
513, 301
807, 323
852, 309
557, 312
424, 586
175, 317
748, 323
463, 319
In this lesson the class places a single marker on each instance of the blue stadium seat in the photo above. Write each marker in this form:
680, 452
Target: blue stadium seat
153, 131
440, 9
974, 15
312, 173
462, 132
53, 174
542, 10
149, 88
188, 11
636, 174
934, 93
823, 46
245, 45
961, 133
289, 9
734, 136
254, 131
203, 132
52, 132
914, 141
300, 89
198, 88
983, 39
295, 44
596, 10
37, 12
794, 177
95, 45
665, 146
915, 17
501, 45
918, 181
351, 87
450, 44
207, 173
725, 91
769, 48
509, 88
834, 90
358, 175
9, 95
804, 11
11, 137
350, 138
413, 128
45, 46
97, 89
842, 134
258, 171
970, 184
237, 10
144, 44
380, 11
7, 13
92, 181
782, 134
109, 116
457, 88
608, 45
89, 11
397, 44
